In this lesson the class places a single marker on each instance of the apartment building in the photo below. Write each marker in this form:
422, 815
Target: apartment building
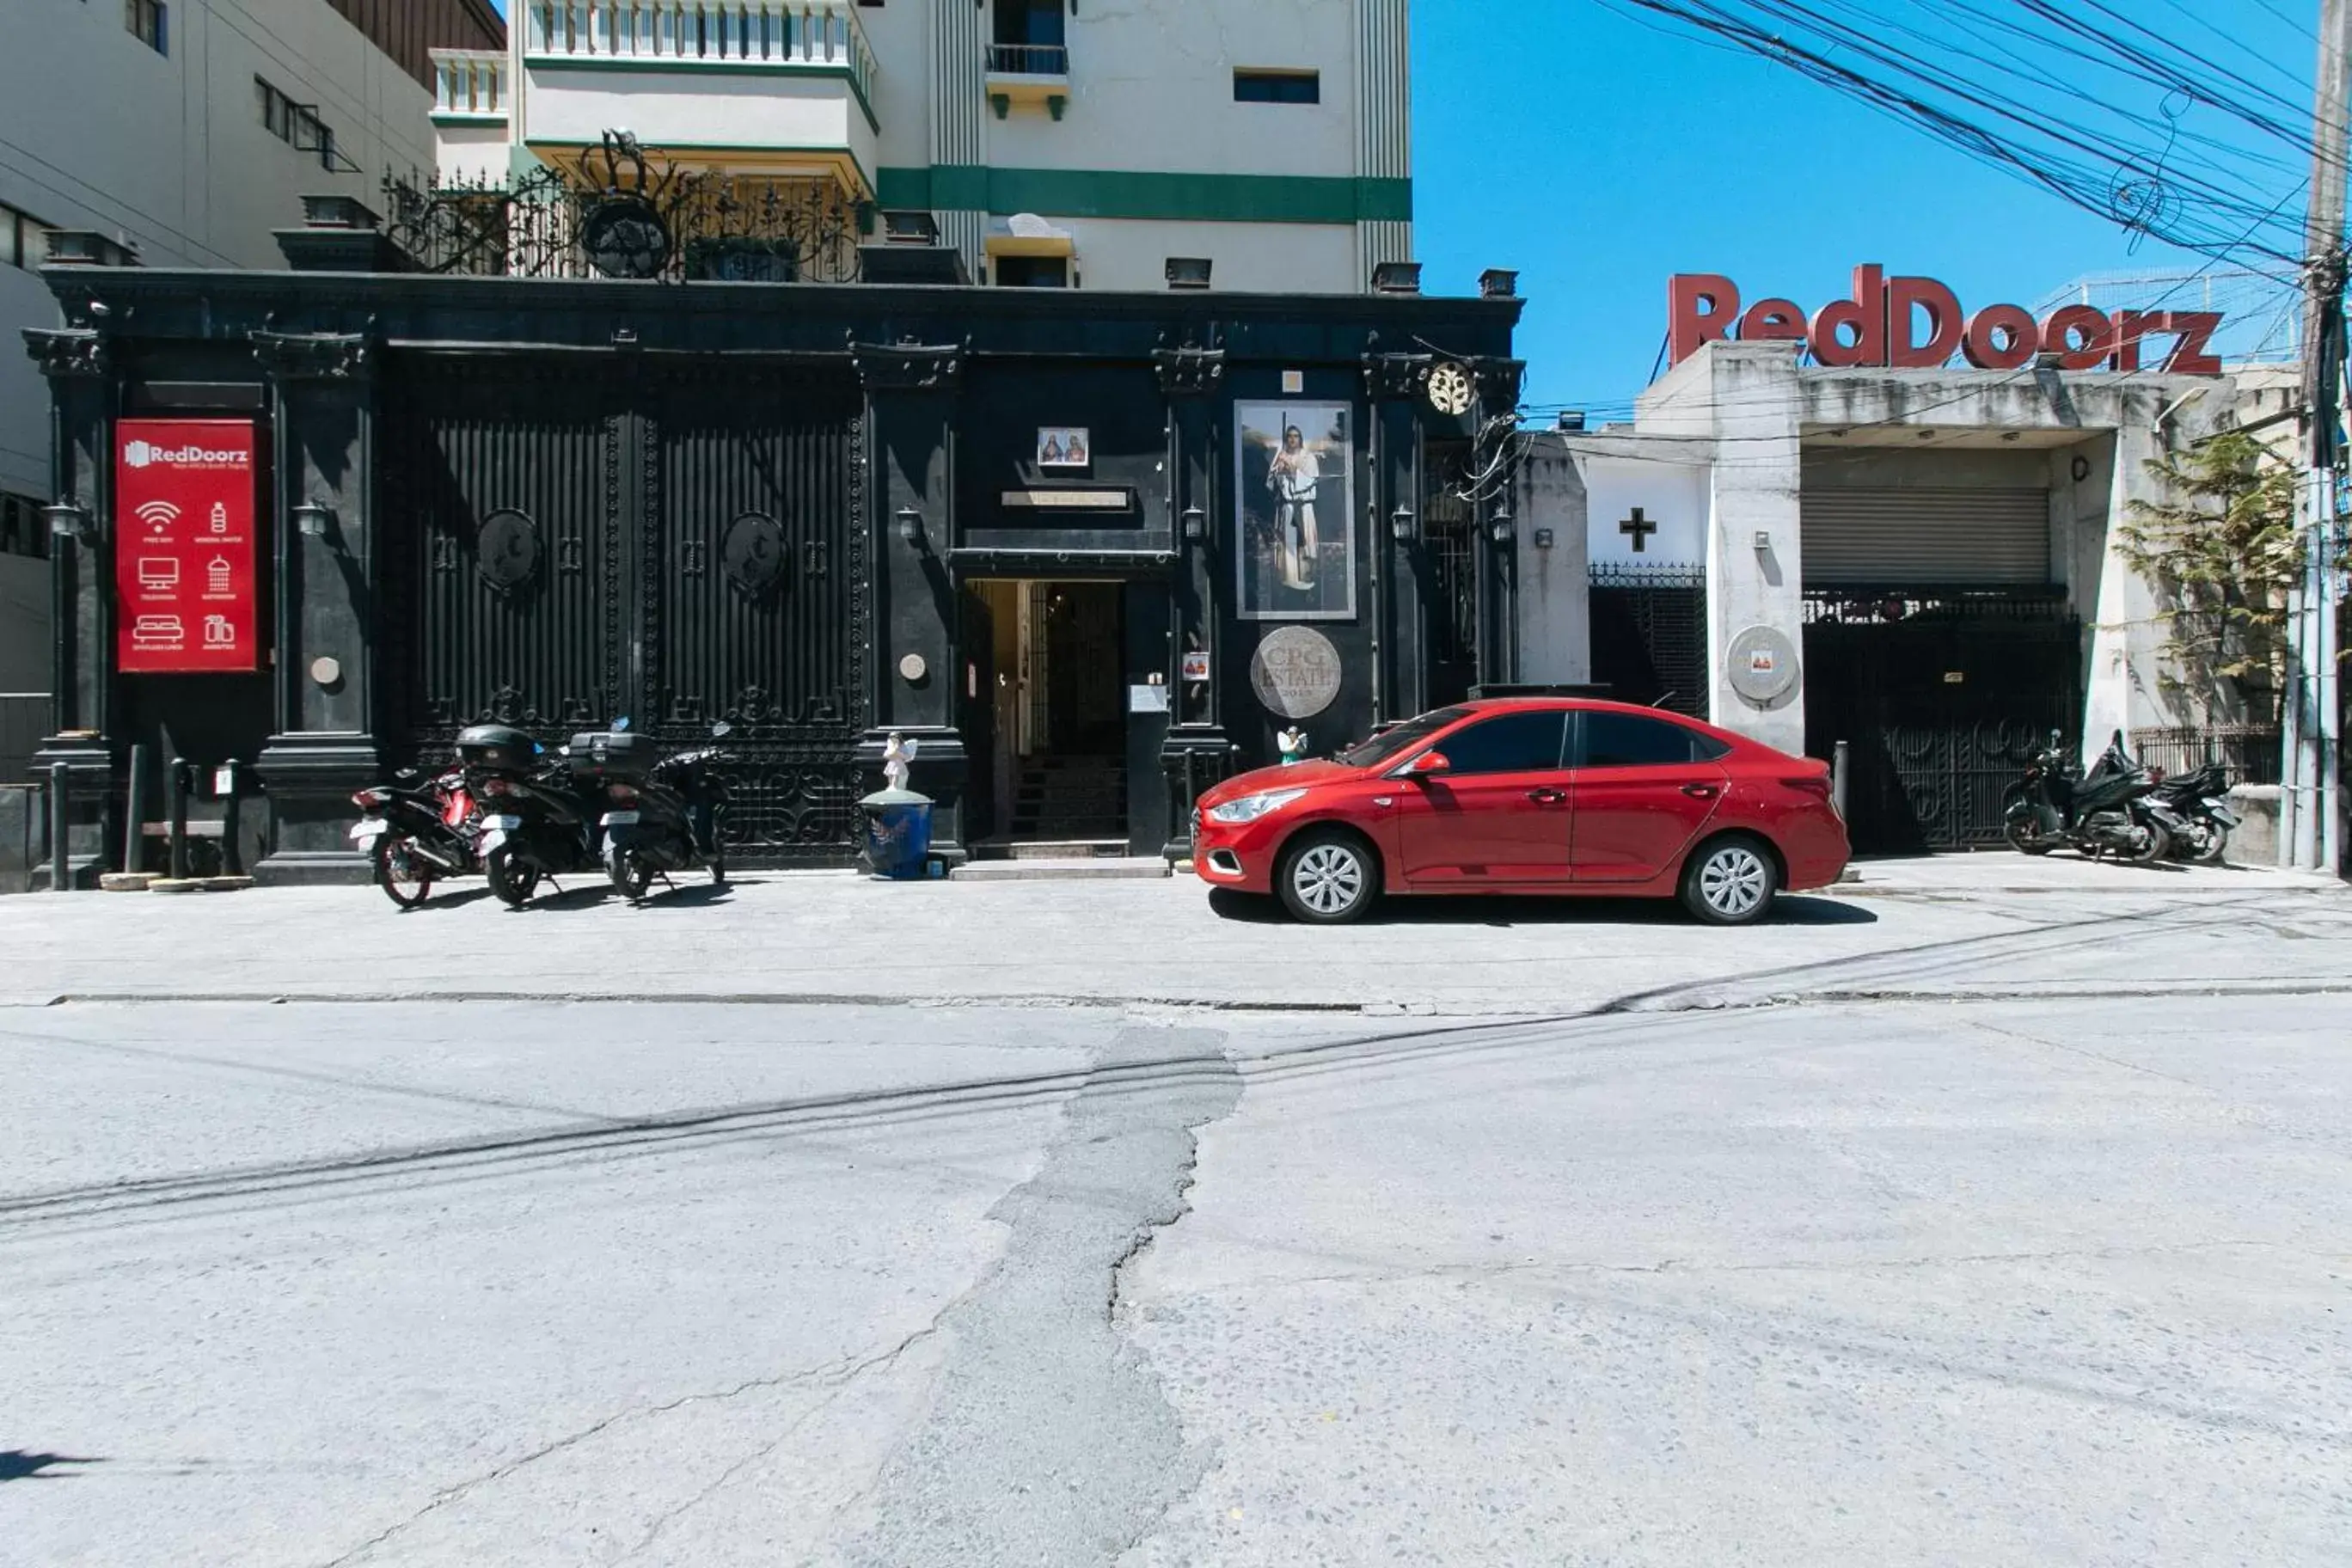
1252, 145
182, 134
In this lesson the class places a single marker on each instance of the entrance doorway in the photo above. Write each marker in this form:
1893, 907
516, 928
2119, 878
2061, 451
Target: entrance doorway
1044, 723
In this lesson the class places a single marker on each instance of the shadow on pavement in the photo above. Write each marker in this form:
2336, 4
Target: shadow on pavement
24, 1464
1507, 911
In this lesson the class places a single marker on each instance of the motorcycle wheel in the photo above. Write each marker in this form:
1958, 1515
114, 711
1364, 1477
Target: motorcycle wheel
2159, 846
2025, 838
631, 876
399, 875
512, 880
2203, 845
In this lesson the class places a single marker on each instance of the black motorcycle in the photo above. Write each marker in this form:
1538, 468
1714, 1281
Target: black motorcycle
2106, 811
416, 831
2198, 800
538, 822
657, 819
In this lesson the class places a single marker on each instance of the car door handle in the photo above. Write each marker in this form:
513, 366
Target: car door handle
1546, 796
1701, 792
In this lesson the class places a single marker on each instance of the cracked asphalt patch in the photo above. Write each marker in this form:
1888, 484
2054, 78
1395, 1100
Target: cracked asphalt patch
1048, 1440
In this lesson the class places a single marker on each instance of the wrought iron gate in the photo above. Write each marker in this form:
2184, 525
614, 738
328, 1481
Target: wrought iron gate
1940, 696
1649, 635
667, 543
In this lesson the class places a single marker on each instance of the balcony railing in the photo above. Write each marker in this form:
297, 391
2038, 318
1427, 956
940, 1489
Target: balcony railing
789, 35
1029, 59
469, 81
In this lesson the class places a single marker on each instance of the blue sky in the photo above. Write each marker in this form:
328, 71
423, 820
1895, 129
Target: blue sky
1598, 155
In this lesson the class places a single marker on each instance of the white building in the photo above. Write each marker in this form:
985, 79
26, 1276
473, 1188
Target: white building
1054, 144
1816, 531
185, 130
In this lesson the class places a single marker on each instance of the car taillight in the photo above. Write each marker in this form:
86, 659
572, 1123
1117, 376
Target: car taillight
1814, 784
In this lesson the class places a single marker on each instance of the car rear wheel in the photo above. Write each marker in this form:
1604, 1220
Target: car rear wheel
1328, 878
1730, 882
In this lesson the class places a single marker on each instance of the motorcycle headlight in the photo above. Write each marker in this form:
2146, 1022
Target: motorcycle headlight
1250, 808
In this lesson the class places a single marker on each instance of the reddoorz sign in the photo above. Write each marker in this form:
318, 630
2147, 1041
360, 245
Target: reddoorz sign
1915, 324
186, 556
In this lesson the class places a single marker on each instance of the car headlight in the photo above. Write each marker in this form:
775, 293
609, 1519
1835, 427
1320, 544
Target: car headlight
1250, 808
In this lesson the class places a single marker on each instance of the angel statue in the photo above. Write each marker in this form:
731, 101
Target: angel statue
897, 759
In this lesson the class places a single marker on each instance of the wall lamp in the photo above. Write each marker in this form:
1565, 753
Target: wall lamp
70, 520
910, 525
1501, 525
1196, 524
1402, 523
315, 519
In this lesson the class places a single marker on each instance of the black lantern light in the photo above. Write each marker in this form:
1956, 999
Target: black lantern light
70, 520
1196, 525
1500, 524
315, 519
910, 525
1402, 523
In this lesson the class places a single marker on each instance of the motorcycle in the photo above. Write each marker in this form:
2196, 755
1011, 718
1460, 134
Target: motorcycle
659, 819
538, 821
2198, 800
415, 832
2104, 812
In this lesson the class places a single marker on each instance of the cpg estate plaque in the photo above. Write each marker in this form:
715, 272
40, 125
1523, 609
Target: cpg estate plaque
1295, 672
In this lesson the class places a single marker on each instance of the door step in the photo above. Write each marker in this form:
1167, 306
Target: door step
1098, 868
1053, 849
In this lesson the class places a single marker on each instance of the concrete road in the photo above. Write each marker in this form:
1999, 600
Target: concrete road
1998, 1236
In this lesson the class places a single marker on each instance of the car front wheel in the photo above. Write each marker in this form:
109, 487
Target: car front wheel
1328, 878
1730, 882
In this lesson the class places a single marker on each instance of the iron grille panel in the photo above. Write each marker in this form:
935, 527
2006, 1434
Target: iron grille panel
1940, 698
1649, 635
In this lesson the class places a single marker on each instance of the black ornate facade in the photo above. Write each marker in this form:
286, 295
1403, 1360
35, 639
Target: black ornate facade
556, 502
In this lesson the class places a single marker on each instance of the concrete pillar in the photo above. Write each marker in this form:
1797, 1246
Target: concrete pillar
79, 363
1555, 609
910, 398
326, 555
1755, 538
1197, 751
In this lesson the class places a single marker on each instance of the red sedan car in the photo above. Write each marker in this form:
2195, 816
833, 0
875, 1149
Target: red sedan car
1529, 795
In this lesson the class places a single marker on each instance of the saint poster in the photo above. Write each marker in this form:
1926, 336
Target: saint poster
1295, 467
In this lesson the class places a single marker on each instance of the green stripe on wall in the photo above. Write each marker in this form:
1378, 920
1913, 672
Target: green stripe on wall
1115, 193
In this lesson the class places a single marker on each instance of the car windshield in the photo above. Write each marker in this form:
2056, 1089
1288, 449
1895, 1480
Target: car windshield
1399, 738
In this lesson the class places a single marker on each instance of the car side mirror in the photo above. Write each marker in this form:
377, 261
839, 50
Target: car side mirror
1427, 765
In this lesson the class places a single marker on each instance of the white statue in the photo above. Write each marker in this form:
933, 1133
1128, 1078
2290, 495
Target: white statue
1293, 742
897, 758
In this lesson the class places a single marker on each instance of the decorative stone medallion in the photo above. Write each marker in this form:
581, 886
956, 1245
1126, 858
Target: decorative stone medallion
753, 553
1295, 672
507, 550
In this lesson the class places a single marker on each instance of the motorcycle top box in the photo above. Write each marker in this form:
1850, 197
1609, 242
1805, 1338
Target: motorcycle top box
497, 747
621, 756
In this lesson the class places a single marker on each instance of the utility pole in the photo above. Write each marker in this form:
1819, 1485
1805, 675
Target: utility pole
2310, 803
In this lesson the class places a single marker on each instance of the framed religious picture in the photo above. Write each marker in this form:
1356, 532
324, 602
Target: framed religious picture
1062, 447
1293, 463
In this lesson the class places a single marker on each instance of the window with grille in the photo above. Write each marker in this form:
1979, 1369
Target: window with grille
23, 531
149, 23
1277, 87
23, 239
1449, 527
296, 124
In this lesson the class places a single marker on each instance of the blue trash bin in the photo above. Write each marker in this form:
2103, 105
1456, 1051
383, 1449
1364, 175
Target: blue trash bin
899, 833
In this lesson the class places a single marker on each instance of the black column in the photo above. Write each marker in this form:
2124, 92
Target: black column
1396, 384
1498, 570
80, 367
910, 407
323, 532
1197, 751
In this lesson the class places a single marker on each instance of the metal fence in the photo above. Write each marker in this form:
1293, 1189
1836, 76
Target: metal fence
2250, 751
24, 720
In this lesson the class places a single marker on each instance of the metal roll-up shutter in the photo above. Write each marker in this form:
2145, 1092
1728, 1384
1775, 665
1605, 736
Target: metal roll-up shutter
1927, 535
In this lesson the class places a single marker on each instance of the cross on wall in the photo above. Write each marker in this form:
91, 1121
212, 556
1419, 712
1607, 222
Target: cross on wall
1638, 528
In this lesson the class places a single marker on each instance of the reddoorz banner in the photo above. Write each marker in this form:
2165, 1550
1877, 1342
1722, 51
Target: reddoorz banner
186, 546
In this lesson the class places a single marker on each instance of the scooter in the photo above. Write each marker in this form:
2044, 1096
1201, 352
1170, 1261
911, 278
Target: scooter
416, 832
2206, 820
661, 820
2104, 812
537, 823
